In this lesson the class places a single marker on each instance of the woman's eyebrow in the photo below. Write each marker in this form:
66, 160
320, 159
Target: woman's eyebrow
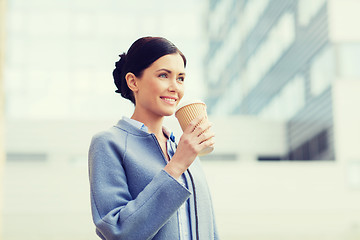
164, 69
169, 71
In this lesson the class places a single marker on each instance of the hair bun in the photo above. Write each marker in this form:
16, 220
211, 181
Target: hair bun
118, 73
120, 64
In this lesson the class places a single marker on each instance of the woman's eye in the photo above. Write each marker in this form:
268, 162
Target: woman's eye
163, 75
181, 79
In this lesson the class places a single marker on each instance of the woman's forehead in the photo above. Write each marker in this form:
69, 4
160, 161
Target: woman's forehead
172, 62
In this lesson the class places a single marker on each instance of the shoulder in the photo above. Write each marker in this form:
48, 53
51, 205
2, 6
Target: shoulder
113, 135
110, 133
107, 147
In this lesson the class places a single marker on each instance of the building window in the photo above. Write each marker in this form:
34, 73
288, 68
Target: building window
312, 149
308, 9
251, 14
279, 39
220, 157
26, 157
322, 71
349, 59
289, 101
229, 101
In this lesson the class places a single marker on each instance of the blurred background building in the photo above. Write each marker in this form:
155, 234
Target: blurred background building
66, 50
2, 150
294, 62
59, 92
282, 60
280, 79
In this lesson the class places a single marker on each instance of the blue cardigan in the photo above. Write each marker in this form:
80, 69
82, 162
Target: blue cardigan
132, 197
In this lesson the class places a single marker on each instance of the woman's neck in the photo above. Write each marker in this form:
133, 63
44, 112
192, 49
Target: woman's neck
151, 121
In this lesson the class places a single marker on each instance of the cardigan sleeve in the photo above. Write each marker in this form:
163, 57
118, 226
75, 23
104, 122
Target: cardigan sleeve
115, 214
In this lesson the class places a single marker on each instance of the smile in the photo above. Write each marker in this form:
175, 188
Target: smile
169, 100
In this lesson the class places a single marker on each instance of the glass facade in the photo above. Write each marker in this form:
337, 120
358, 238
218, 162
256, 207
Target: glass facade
278, 60
322, 71
289, 100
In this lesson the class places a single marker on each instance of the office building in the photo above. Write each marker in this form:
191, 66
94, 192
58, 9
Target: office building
284, 60
55, 102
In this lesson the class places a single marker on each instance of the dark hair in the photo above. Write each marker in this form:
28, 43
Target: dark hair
142, 53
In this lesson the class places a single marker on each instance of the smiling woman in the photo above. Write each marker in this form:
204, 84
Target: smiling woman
143, 184
159, 88
142, 53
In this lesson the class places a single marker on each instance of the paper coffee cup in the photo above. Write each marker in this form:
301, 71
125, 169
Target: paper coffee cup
188, 111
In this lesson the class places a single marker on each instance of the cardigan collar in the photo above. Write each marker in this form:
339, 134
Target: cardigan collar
131, 129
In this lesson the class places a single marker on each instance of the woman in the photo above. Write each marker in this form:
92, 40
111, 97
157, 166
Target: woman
144, 185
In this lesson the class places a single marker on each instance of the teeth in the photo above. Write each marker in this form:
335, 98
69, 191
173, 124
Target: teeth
169, 99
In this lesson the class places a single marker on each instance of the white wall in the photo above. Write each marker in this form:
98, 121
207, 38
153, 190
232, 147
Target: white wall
252, 200
2, 154
284, 200
343, 20
346, 101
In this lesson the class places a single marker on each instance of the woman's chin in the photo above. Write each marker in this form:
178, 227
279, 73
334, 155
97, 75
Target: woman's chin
168, 113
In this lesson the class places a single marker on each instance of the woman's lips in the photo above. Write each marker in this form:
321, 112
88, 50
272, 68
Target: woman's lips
170, 100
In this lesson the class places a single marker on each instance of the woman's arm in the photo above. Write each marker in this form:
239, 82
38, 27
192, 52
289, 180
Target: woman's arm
115, 213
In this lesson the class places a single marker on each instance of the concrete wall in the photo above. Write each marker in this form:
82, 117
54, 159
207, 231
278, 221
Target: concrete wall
46, 183
61, 141
347, 127
343, 22
249, 137
48, 198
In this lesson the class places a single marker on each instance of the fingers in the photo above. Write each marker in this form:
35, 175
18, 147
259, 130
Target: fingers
194, 123
208, 143
198, 134
202, 132
206, 136
202, 128
198, 128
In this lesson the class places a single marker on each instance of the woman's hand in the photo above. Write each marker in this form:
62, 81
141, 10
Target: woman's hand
196, 137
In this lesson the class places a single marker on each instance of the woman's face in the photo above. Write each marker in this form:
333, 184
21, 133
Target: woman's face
161, 86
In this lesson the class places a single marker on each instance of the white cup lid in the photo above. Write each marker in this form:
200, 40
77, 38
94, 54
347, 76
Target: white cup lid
188, 102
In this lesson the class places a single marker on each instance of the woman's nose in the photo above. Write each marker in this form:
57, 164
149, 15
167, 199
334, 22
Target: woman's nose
174, 86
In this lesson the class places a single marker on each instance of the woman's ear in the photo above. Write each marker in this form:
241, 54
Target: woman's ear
131, 81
